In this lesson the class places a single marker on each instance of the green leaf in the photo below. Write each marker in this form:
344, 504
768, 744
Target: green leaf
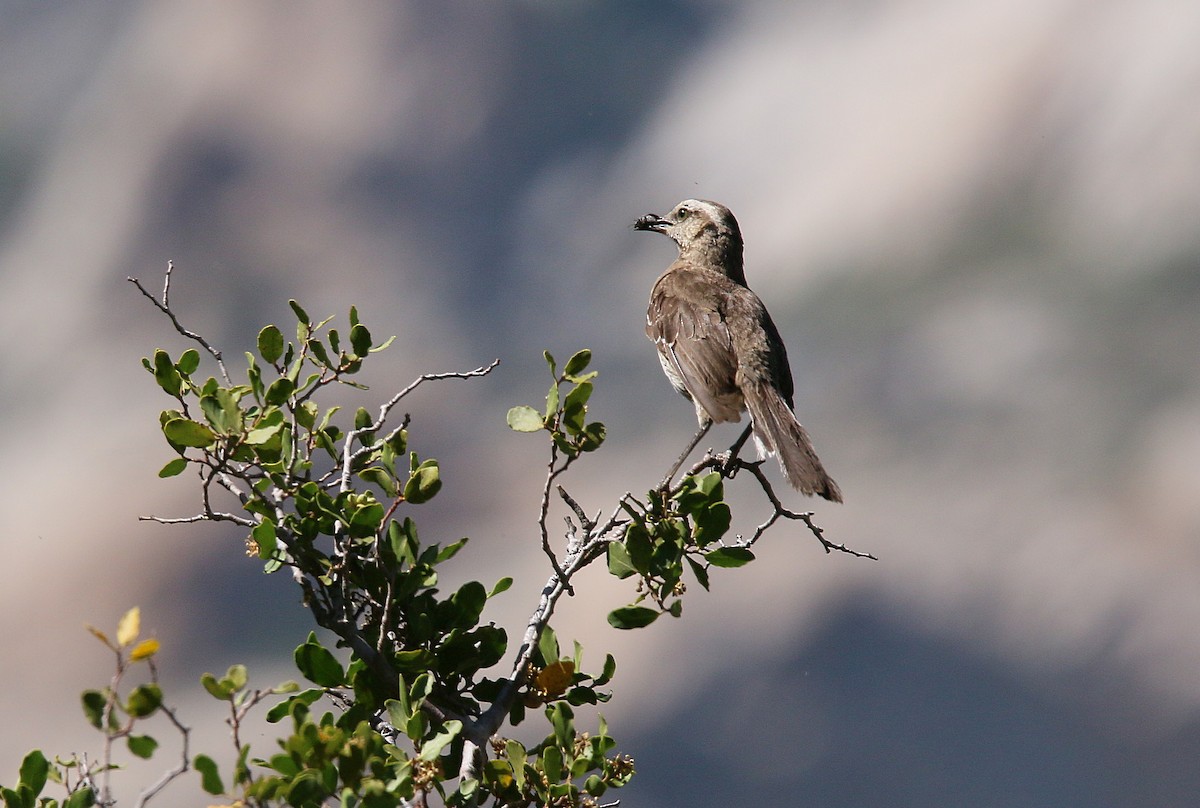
186, 432
279, 391
548, 645
575, 407
550, 361
318, 665
729, 556
619, 563
524, 418
93, 706
281, 709
595, 785
562, 719
501, 586
237, 676
515, 751
552, 400
210, 780
265, 538
270, 344
628, 617
381, 478
360, 340
301, 314
640, 547
222, 412
218, 690
34, 769
188, 362
432, 749
166, 374
552, 763
142, 746
383, 345
450, 550
699, 571
83, 798
173, 468
610, 669
318, 350
424, 483
143, 700
577, 364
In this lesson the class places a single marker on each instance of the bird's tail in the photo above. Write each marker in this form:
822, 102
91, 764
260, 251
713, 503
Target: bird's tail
777, 432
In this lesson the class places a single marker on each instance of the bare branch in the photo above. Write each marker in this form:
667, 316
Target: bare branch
728, 465
165, 307
349, 455
184, 762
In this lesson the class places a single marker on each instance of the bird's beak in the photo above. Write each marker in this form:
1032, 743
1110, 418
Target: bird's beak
652, 222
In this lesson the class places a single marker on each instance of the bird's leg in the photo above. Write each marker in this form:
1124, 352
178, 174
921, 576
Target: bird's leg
727, 457
666, 481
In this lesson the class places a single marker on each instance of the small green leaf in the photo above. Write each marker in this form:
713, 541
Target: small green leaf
210, 780
515, 751
173, 468
729, 556
237, 676
186, 432
577, 364
143, 700
524, 418
360, 340
548, 645
628, 617
270, 344
83, 798
318, 350
93, 706
188, 362
279, 391
610, 669
619, 563
575, 407
218, 690
424, 483
550, 361
432, 749
34, 769
501, 586
318, 665
450, 550
264, 536
301, 314
699, 571
166, 374
142, 745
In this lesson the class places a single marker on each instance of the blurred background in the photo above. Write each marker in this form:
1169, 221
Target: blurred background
976, 224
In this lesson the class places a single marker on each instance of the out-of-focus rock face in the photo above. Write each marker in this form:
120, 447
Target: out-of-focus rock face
974, 223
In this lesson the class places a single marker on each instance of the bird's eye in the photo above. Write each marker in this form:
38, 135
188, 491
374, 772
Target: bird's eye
681, 214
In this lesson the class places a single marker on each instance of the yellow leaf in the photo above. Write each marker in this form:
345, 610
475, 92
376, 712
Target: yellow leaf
129, 627
144, 650
100, 635
554, 679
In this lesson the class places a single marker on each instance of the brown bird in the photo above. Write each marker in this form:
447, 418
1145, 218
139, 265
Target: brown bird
718, 345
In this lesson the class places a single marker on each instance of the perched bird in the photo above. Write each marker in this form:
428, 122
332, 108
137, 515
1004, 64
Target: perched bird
720, 348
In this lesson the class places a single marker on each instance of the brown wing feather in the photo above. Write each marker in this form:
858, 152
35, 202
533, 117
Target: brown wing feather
686, 324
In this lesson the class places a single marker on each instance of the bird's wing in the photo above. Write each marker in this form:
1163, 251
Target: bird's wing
691, 334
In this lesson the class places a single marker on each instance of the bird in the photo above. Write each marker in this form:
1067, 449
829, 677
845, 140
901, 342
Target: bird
720, 348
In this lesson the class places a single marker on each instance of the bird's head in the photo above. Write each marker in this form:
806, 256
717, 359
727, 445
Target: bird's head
705, 232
